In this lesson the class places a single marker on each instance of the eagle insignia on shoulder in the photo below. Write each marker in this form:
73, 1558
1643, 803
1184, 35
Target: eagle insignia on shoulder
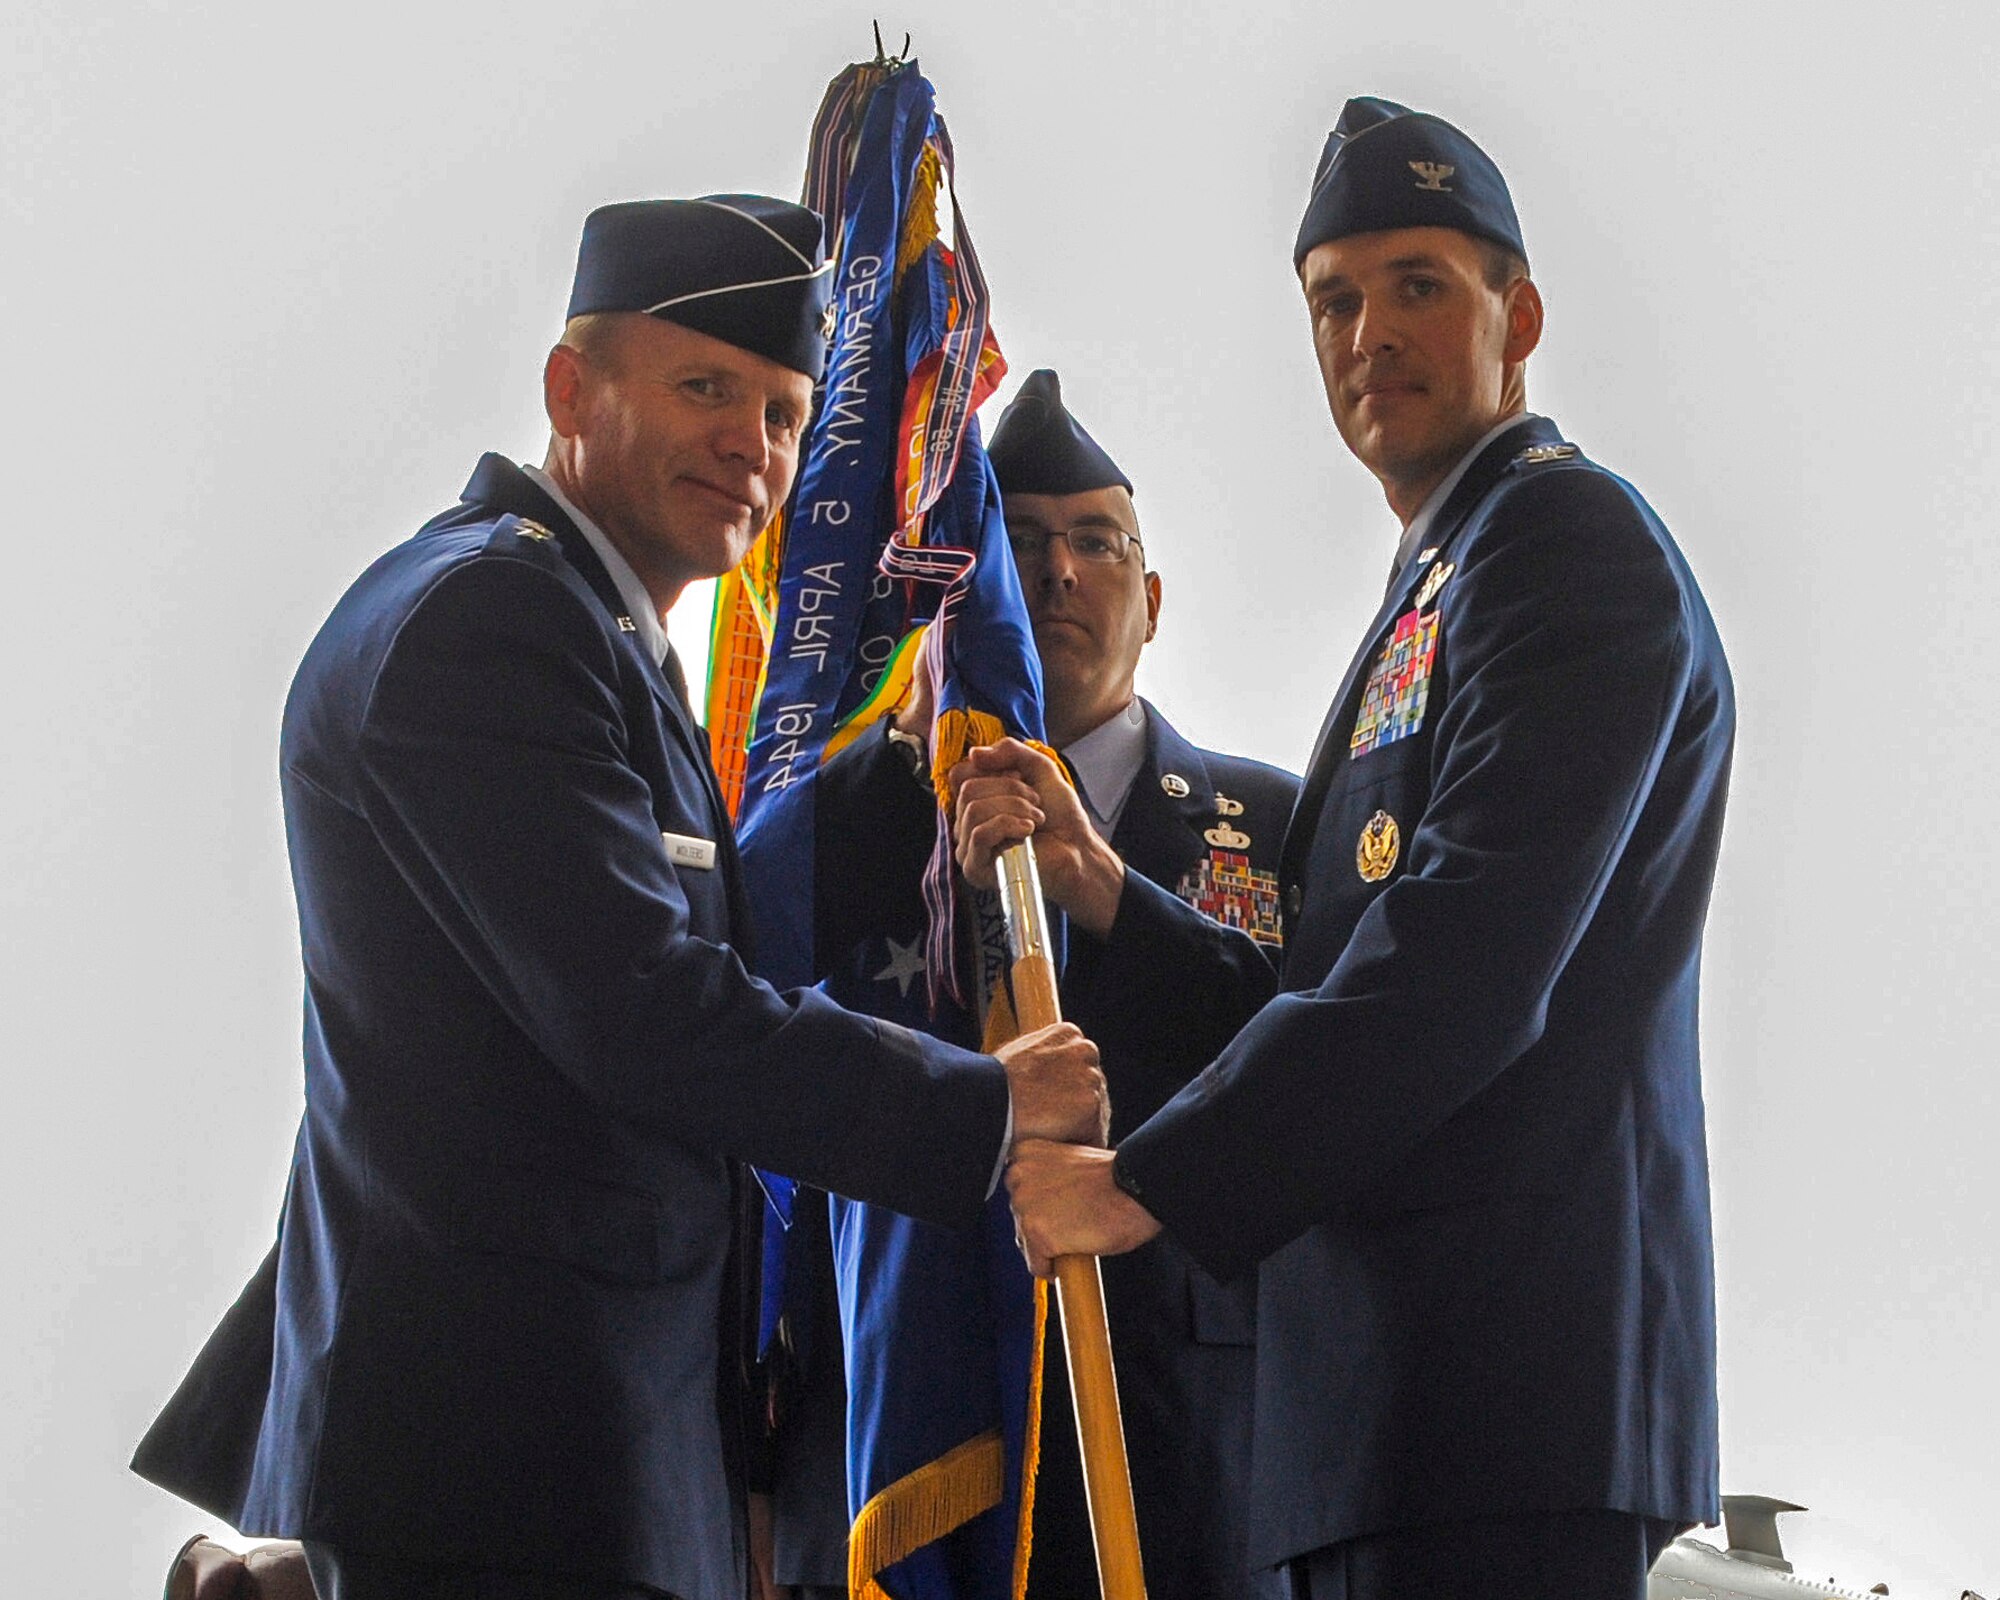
1537, 455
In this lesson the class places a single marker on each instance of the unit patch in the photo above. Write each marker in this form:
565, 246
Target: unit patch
1224, 885
1392, 706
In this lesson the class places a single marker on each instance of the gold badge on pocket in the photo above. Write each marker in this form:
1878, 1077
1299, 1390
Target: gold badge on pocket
1381, 842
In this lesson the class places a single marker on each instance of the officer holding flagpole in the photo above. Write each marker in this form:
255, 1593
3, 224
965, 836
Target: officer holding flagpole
505, 1350
1461, 1143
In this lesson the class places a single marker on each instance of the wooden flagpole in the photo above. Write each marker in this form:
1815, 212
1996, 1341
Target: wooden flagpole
1093, 1383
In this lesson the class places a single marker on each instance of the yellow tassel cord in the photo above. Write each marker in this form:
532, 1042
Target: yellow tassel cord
922, 1508
920, 216
957, 732
889, 692
1031, 1457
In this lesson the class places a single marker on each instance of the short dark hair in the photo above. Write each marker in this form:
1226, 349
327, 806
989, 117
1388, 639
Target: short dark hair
1499, 265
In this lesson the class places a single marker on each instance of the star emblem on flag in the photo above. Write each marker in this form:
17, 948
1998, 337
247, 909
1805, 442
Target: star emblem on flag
906, 963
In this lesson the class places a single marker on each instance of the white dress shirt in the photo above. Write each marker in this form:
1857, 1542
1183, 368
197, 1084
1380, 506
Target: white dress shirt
1105, 761
645, 615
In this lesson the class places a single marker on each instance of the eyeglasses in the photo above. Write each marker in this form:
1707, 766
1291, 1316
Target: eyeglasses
1103, 546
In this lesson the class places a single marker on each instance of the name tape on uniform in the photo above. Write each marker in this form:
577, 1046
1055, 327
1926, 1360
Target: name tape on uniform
685, 850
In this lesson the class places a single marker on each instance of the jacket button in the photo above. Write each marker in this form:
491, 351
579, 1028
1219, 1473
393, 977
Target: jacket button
1294, 898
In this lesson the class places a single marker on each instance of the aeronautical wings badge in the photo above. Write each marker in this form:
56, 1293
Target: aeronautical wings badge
1434, 581
1381, 842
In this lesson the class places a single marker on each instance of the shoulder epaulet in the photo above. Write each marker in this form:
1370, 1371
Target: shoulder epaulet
1539, 455
514, 534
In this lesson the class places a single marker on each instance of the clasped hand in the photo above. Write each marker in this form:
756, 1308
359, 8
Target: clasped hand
1009, 791
1059, 1183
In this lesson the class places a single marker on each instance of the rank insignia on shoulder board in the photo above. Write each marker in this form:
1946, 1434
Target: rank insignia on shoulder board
1540, 454
1381, 842
1224, 885
1392, 705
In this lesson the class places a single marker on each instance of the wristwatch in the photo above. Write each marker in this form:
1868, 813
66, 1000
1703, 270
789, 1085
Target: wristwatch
914, 751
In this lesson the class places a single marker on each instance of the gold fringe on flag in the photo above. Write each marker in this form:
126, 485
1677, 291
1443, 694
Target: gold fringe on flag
922, 1508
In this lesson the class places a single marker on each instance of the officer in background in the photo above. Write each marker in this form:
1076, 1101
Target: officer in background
506, 1351
1204, 827
1465, 1139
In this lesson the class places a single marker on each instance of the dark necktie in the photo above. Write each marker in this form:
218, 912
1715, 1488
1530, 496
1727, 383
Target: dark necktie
677, 679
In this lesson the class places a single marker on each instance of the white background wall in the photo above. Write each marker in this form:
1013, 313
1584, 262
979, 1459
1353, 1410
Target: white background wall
273, 276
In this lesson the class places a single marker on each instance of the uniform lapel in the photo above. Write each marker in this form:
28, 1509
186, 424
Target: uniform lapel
1329, 750
1160, 832
499, 483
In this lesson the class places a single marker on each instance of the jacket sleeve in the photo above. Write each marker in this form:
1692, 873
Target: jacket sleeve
1174, 986
495, 745
1569, 647
874, 830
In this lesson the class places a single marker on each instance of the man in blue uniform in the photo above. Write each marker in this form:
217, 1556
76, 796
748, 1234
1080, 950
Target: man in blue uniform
1464, 1138
1203, 826
506, 1353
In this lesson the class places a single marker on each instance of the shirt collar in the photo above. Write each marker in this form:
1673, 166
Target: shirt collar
645, 615
1420, 525
1105, 761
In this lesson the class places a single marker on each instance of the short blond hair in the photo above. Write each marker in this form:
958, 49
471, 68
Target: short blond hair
594, 336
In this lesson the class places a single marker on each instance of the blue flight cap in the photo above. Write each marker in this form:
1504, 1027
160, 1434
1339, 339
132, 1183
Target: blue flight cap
1039, 448
1386, 166
743, 268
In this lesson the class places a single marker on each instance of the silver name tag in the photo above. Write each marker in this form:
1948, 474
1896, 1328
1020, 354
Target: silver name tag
684, 850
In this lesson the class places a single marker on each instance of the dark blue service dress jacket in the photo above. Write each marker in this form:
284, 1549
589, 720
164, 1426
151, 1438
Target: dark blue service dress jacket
1465, 1138
1206, 827
505, 1332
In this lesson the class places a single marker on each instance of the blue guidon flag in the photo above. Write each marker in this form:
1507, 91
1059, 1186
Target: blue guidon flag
892, 543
